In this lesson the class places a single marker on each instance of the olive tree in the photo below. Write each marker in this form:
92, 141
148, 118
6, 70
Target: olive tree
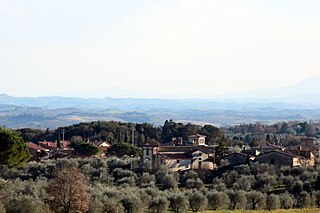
256, 200
197, 201
286, 201
237, 198
159, 205
218, 200
273, 202
178, 203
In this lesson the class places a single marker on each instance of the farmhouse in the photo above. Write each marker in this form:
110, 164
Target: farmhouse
36, 151
283, 158
179, 158
54, 145
103, 144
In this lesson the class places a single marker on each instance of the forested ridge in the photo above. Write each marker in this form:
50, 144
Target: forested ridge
115, 132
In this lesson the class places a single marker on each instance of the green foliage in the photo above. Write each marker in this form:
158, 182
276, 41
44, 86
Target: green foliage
237, 198
132, 203
122, 149
218, 200
213, 134
197, 201
13, 150
112, 187
158, 205
304, 200
178, 203
316, 196
256, 200
87, 149
2, 208
27, 204
273, 202
194, 183
286, 201
169, 182
147, 180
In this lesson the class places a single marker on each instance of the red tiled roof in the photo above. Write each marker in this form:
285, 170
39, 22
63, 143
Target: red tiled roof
48, 144
53, 145
35, 146
151, 143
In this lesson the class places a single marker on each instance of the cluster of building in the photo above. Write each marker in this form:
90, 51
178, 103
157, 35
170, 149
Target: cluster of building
58, 149
194, 153
274, 155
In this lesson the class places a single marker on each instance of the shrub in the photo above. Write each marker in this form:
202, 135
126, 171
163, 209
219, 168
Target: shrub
286, 201
237, 198
273, 202
169, 182
147, 180
197, 201
158, 205
132, 203
256, 200
26, 204
178, 203
218, 200
194, 184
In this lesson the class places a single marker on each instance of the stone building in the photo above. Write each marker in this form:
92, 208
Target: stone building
179, 158
197, 140
281, 158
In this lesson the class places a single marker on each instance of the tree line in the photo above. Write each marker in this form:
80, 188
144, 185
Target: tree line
310, 129
116, 132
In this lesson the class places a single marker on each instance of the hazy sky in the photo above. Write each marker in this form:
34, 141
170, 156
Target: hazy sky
182, 47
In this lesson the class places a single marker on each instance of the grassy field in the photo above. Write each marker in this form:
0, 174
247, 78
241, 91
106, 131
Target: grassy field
275, 211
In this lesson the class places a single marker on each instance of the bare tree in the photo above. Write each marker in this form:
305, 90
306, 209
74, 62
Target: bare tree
67, 191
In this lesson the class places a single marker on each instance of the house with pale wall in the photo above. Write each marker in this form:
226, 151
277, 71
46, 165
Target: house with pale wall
197, 140
104, 145
179, 158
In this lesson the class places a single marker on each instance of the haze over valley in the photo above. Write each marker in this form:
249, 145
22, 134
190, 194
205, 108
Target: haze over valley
300, 102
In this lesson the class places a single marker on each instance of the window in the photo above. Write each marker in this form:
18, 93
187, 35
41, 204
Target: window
147, 151
272, 161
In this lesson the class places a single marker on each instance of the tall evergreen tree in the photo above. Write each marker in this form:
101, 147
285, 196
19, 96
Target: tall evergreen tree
13, 150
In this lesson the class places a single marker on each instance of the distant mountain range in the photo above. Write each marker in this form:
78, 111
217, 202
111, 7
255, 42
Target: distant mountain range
303, 92
300, 101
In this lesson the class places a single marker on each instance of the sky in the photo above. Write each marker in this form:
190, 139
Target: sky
200, 48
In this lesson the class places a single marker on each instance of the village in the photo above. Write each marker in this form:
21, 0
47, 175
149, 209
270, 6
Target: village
124, 167
192, 154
